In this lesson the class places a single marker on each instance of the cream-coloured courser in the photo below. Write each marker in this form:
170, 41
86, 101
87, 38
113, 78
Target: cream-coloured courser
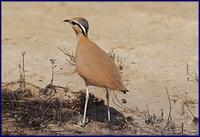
94, 65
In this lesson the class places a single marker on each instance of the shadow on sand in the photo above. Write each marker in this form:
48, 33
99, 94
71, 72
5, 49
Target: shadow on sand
97, 110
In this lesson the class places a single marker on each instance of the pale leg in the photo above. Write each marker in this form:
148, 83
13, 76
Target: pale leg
85, 109
107, 97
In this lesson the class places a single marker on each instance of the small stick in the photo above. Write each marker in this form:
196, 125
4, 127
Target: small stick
187, 72
195, 119
45, 111
190, 110
23, 70
22, 85
122, 105
169, 119
196, 77
52, 69
182, 126
71, 56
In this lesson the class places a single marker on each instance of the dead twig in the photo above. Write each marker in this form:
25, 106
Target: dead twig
117, 59
71, 56
52, 69
186, 103
169, 119
182, 126
122, 106
195, 118
193, 77
22, 72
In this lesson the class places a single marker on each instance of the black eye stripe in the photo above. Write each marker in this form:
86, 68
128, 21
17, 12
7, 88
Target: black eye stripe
74, 23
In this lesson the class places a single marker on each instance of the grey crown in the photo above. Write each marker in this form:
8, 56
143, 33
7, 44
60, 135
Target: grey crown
84, 23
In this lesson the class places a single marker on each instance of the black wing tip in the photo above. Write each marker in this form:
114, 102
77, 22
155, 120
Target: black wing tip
124, 91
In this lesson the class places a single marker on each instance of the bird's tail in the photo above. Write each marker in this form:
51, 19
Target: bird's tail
125, 90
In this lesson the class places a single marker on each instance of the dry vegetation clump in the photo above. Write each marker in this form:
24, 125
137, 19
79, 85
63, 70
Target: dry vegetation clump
32, 112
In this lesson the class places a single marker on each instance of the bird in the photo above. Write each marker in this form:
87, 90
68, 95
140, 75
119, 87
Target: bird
94, 65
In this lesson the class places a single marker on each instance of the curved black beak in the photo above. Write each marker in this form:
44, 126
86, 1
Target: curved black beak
67, 20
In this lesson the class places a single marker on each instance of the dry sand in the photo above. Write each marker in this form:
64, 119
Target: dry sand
157, 40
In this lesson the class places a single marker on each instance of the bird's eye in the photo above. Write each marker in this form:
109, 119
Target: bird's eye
73, 23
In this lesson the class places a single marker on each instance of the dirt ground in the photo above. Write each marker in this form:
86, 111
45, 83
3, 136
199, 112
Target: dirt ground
157, 41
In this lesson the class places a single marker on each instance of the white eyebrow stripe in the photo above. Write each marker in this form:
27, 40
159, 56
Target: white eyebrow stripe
83, 28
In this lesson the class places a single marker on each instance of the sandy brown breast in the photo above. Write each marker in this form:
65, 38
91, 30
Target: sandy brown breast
96, 66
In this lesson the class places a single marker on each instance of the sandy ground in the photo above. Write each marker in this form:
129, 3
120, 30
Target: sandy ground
157, 41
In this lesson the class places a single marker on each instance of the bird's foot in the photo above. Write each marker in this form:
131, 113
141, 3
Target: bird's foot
83, 123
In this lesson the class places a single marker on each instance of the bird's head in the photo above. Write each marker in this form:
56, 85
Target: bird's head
79, 24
